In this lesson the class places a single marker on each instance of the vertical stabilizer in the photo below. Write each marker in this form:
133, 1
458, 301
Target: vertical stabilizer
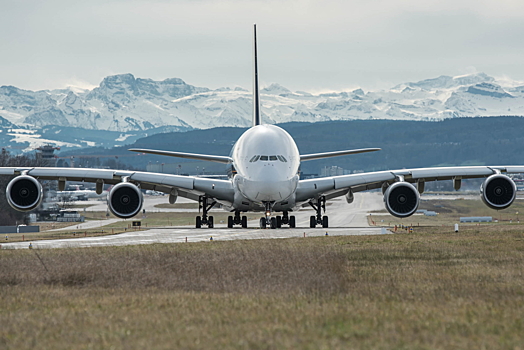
256, 95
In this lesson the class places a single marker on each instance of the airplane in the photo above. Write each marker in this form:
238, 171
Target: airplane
264, 177
79, 194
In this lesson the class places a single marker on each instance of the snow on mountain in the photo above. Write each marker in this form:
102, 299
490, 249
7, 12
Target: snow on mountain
125, 104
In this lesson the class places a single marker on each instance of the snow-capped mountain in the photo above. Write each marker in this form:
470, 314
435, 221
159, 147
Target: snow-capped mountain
130, 106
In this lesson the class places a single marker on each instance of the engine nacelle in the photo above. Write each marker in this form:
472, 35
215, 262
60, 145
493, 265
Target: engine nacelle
125, 200
24, 193
402, 199
498, 191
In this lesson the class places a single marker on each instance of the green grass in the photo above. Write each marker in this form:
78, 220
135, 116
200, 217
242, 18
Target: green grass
404, 291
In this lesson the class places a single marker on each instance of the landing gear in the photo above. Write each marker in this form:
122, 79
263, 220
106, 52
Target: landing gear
277, 221
266, 220
292, 221
237, 220
204, 219
288, 220
263, 223
319, 219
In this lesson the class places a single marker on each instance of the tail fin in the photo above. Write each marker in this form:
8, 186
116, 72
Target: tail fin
256, 95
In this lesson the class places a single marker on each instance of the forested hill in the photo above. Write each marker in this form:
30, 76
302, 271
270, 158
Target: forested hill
405, 144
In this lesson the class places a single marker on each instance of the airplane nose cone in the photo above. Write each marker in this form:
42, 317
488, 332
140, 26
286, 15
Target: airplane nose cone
268, 186
267, 191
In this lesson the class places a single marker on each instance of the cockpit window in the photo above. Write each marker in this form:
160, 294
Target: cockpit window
268, 158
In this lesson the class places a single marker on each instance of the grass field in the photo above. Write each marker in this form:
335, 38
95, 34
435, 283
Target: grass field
450, 211
403, 291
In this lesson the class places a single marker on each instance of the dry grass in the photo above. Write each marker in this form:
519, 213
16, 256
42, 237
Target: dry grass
51, 225
450, 211
418, 291
34, 236
151, 220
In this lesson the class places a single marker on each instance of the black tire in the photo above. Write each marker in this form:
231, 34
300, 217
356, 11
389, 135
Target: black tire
325, 222
244, 221
292, 222
279, 221
312, 222
262, 222
229, 222
198, 222
210, 222
273, 223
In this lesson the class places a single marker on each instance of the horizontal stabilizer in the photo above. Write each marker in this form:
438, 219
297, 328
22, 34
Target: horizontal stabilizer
210, 158
336, 153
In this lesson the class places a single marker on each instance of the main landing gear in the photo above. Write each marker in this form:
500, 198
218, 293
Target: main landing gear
276, 221
319, 219
237, 220
205, 206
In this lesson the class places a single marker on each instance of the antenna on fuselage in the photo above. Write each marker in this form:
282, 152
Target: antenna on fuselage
256, 96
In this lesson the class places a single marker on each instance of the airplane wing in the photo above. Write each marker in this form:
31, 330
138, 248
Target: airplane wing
211, 158
335, 186
186, 186
336, 153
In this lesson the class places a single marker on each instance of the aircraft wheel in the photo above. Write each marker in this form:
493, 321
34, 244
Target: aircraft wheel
244, 221
262, 222
210, 223
279, 221
292, 223
198, 222
312, 222
325, 222
273, 223
229, 222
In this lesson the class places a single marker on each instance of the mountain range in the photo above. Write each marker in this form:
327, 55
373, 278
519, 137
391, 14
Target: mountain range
123, 108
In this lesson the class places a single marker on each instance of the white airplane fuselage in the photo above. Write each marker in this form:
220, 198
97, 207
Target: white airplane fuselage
266, 160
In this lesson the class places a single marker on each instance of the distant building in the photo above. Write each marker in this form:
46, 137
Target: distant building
47, 155
331, 171
336, 171
476, 219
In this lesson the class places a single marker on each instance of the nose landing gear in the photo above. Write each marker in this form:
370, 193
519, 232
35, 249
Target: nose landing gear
277, 221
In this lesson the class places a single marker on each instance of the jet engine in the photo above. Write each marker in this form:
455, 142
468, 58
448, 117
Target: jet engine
125, 200
498, 191
402, 199
24, 193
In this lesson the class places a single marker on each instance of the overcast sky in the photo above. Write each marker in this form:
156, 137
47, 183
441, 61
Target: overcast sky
311, 45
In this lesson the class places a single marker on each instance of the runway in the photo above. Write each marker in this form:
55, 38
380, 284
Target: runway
345, 219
